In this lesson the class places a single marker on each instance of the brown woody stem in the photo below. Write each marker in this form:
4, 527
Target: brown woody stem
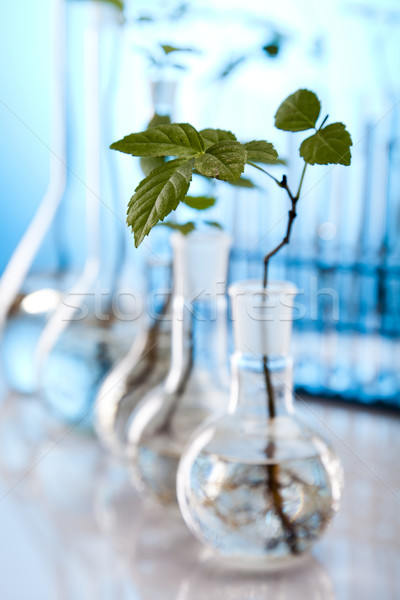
273, 470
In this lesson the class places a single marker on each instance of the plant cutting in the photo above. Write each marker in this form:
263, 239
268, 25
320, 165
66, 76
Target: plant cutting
147, 363
216, 153
255, 485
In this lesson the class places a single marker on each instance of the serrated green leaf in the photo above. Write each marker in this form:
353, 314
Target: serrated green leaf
243, 182
214, 224
330, 145
224, 160
212, 136
149, 163
298, 112
157, 195
200, 202
177, 139
184, 228
261, 152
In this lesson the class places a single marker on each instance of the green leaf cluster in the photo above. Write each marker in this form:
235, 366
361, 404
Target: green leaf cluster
328, 145
212, 153
172, 152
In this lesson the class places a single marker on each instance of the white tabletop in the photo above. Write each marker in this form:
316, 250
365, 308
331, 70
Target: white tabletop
73, 528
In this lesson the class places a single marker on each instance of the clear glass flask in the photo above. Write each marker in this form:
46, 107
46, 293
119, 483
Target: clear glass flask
148, 361
42, 265
93, 327
74, 240
196, 385
256, 485
144, 367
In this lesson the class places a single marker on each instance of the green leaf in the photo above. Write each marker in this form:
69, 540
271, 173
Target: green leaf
212, 136
261, 152
214, 224
330, 145
118, 3
224, 160
157, 195
298, 112
168, 49
271, 49
200, 202
149, 163
243, 182
177, 139
184, 228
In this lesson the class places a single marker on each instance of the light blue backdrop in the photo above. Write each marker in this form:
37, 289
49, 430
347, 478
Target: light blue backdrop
24, 116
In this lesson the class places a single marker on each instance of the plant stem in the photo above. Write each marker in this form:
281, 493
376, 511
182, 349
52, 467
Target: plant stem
263, 171
323, 123
291, 217
273, 470
276, 496
301, 181
270, 389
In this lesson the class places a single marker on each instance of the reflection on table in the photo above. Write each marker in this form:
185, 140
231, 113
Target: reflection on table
75, 528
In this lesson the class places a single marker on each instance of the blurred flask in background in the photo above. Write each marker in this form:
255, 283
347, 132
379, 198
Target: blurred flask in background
50, 255
144, 367
66, 342
148, 360
94, 326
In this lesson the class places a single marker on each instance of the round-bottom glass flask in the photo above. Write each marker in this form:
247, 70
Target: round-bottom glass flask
196, 385
144, 367
256, 485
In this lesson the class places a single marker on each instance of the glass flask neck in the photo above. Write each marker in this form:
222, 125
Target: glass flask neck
199, 305
92, 76
199, 338
163, 92
262, 386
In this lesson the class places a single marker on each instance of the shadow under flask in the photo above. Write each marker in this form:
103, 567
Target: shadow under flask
197, 383
255, 484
